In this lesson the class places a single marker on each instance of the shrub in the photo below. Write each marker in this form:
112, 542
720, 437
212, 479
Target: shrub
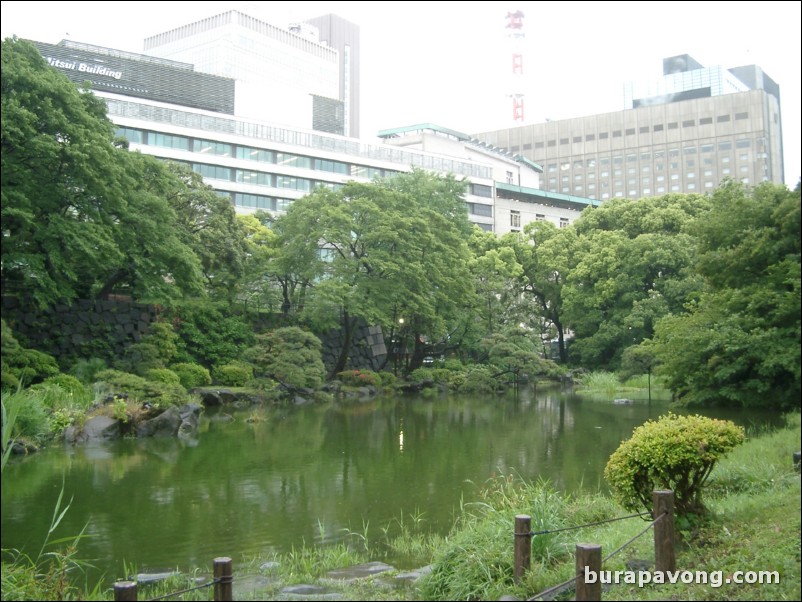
68, 383
478, 379
85, 369
141, 390
360, 378
232, 374
163, 375
674, 452
21, 365
192, 375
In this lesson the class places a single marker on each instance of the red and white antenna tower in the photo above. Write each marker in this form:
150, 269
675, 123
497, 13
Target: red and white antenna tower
516, 35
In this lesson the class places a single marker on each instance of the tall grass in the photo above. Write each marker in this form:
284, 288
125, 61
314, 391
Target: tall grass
50, 575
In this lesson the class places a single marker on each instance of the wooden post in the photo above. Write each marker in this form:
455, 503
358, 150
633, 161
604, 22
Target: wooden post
223, 577
588, 555
125, 591
523, 545
664, 554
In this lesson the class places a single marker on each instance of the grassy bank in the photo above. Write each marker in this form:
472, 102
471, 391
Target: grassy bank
753, 524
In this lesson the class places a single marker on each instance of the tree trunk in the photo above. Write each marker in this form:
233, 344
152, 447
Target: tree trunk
347, 331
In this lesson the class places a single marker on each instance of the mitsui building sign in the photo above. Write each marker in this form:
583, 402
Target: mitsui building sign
140, 76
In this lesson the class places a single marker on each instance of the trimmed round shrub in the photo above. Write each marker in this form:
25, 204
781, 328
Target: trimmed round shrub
674, 452
163, 375
192, 375
67, 382
233, 374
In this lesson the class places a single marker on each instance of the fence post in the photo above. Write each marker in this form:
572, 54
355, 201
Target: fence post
125, 591
588, 555
523, 545
223, 577
664, 554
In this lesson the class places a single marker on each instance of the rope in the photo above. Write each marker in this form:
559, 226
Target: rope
598, 522
649, 526
190, 589
605, 559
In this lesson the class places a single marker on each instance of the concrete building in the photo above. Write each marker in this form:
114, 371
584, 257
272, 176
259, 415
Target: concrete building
684, 133
288, 76
171, 111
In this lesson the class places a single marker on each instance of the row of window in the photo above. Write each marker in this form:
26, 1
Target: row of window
644, 129
660, 154
222, 149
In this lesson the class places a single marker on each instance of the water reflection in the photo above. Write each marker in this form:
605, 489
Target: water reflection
308, 475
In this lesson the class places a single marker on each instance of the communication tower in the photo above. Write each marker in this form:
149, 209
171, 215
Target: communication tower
515, 33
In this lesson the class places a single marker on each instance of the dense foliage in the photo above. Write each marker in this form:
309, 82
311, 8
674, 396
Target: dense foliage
737, 343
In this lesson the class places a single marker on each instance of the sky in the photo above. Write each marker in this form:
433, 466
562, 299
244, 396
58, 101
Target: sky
450, 63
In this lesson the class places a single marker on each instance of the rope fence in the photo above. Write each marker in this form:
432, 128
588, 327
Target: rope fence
126, 591
589, 555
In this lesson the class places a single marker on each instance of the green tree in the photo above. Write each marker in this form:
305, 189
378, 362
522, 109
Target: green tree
209, 226
62, 186
81, 215
381, 255
290, 356
544, 253
738, 344
633, 263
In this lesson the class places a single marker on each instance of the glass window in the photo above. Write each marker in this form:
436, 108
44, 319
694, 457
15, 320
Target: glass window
293, 160
739, 116
481, 190
332, 166
658, 128
210, 147
361, 171
673, 125
130, 134
168, 141
254, 154
644, 129
603, 135
630, 131
255, 201
689, 123
293, 183
214, 172
258, 178
722, 118
705, 121
480, 210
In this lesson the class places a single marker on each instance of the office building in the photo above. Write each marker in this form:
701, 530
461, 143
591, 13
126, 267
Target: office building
170, 110
287, 76
682, 134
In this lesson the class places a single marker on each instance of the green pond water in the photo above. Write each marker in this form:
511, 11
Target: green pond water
309, 475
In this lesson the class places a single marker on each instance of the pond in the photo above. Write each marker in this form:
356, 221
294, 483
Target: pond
277, 479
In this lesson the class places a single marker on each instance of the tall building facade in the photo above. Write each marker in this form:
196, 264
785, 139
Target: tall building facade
283, 75
686, 133
343, 36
